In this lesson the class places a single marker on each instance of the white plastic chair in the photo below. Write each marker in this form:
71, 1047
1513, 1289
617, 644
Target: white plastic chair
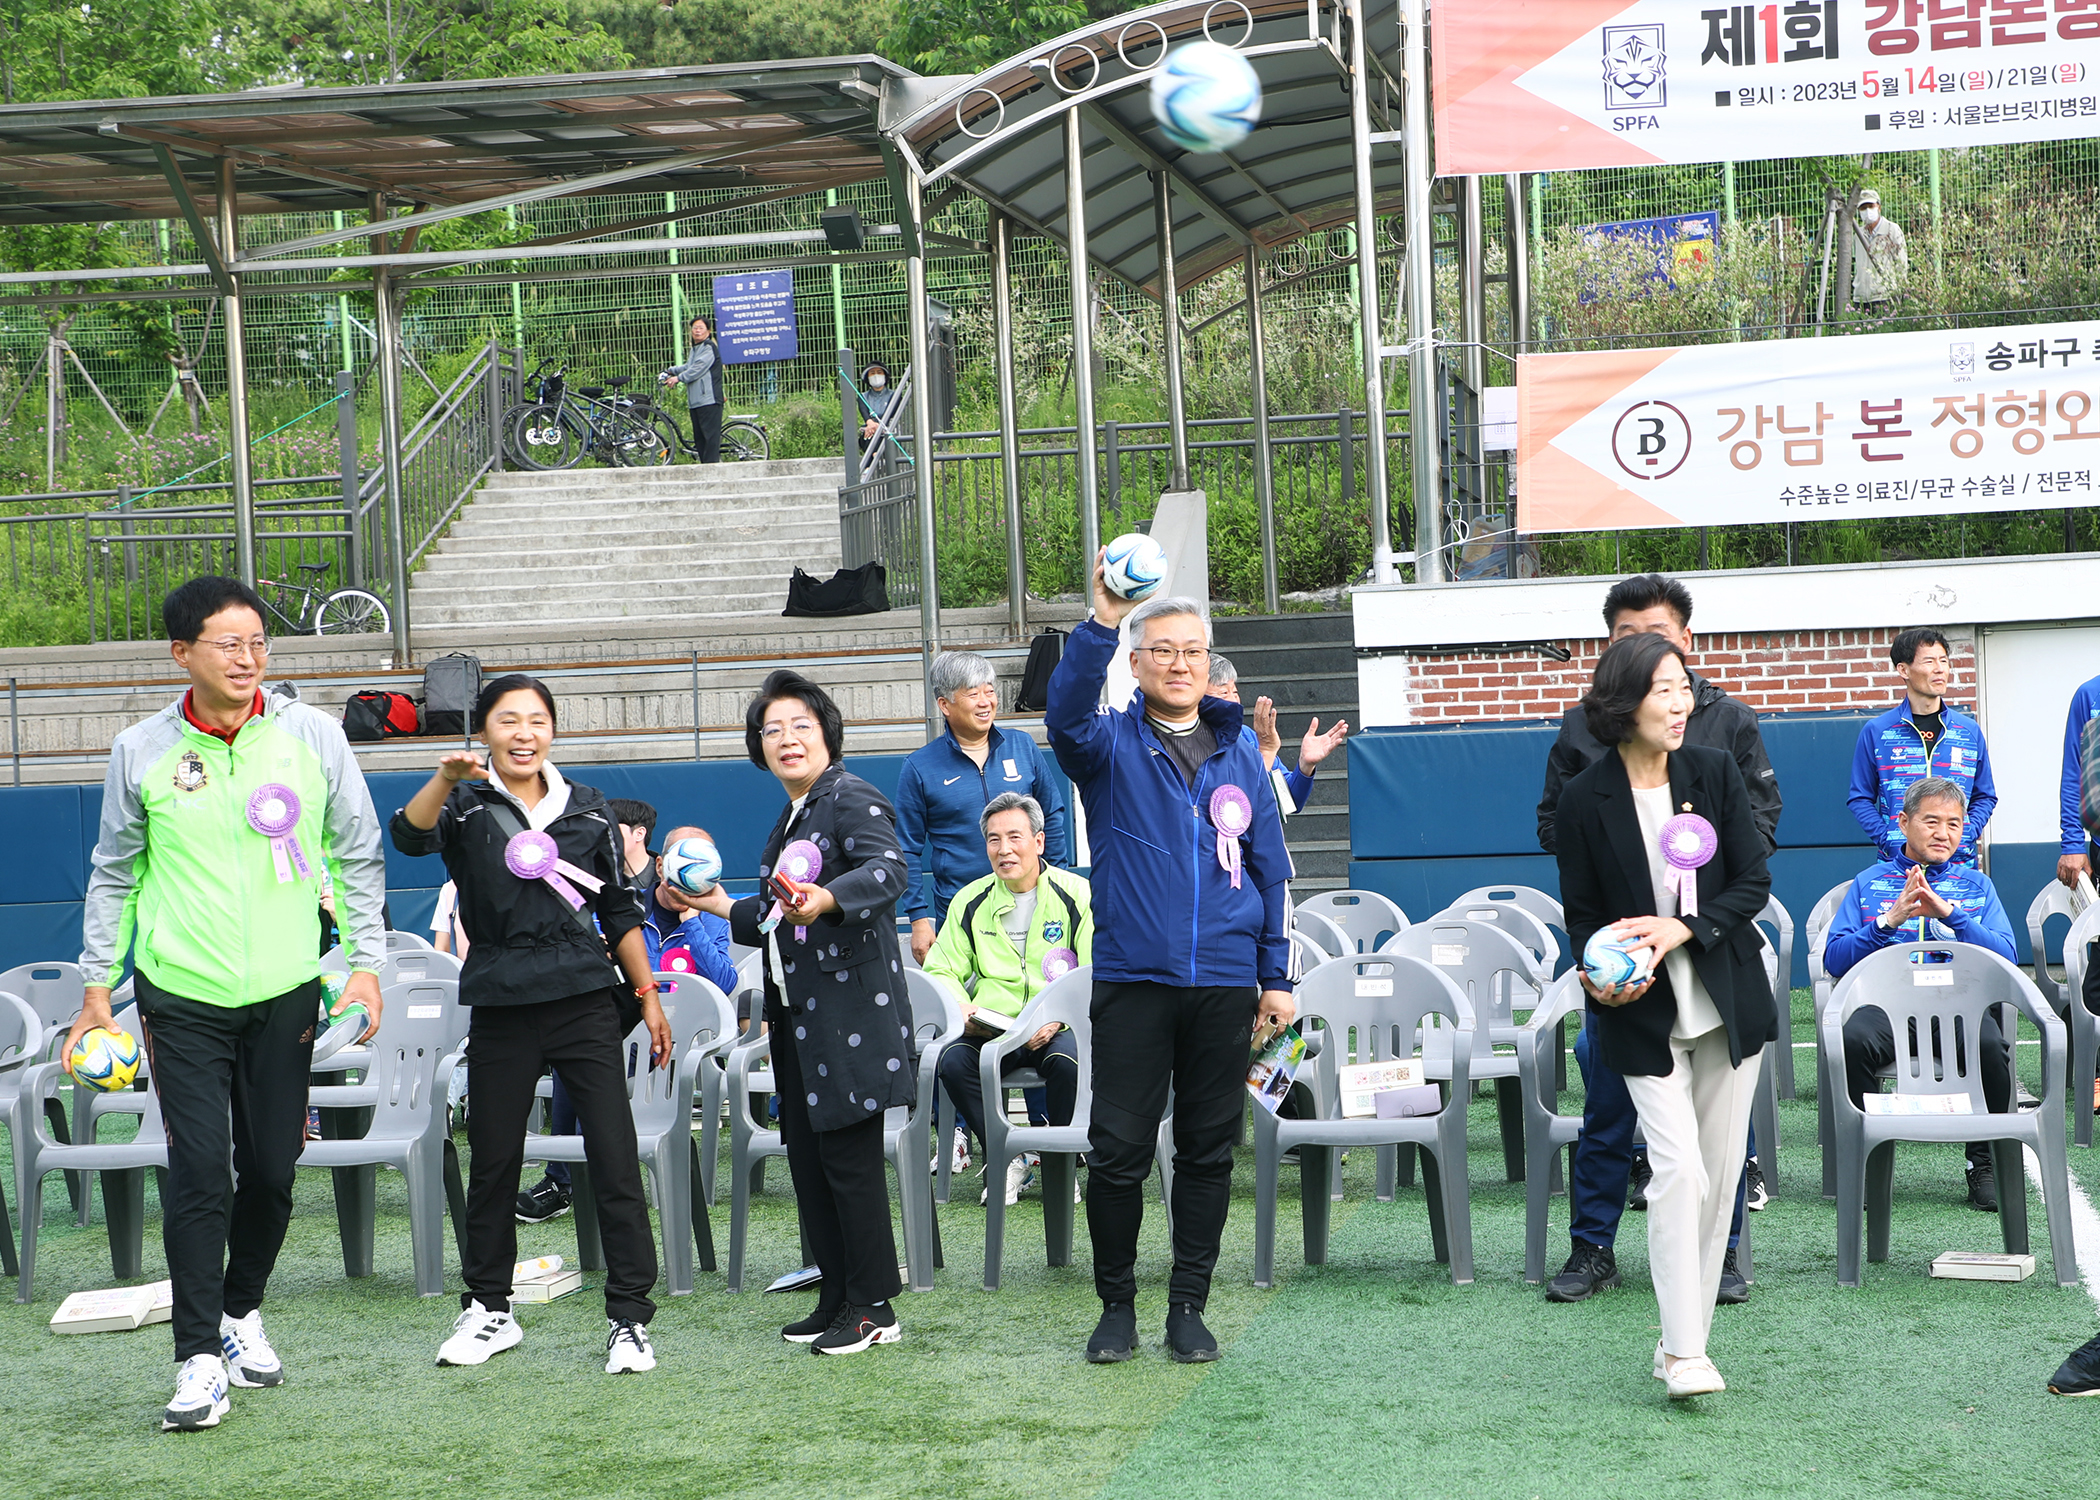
1365, 917
2054, 899
750, 987
1780, 924
1070, 1001
1546, 1129
2083, 1024
1324, 932
1820, 916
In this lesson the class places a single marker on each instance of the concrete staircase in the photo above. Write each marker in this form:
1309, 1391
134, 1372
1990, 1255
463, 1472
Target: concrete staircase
641, 547
1306, 664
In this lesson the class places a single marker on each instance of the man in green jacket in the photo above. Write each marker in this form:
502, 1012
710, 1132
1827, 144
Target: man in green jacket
1007, 936
219, 816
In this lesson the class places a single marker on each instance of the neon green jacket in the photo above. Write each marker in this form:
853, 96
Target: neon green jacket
177, 867
974, 954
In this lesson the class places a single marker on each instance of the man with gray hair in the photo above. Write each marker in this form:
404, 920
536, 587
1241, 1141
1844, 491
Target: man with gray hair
1191, 949
1312, 750
1922, 896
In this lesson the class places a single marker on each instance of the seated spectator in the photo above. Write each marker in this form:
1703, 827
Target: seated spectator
1294, 788
1922, 895
1001, 932
696, 941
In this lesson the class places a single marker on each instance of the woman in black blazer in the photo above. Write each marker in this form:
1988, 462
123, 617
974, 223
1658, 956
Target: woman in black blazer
1688, 1037
835, 1007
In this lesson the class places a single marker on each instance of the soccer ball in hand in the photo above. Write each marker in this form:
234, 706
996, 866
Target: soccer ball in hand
1206, 97
693, 866
1611, 960
105, 1060
1134, 567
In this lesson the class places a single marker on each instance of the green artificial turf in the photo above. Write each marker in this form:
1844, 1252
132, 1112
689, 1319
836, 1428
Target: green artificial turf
1371, 1375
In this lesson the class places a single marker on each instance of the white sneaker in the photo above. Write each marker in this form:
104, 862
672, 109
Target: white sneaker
1016, 1179
959, 1161
250, 1360
477, 1334
627, 1350
200, 1395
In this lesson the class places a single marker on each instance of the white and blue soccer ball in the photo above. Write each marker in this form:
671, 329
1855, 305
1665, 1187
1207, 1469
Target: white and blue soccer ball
693, 865
1206, 97
1134, 567
1610, 960
105, 1060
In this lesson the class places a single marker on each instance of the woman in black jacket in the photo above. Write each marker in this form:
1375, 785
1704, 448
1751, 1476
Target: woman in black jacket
1640, 832
534, 857
835, 1006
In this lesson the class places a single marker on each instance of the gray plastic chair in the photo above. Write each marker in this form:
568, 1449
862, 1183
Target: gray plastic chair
1893, 980
20, 1032
1764, 1101
2084, 1025
1324, 932
1365, 917
1547, 911
409, 1131
1779, 925
1820, 986
1069, 1000
2054, 899
54, 990
1383, 1026
1546, 1130
714, 1077
402, 966
660, 1102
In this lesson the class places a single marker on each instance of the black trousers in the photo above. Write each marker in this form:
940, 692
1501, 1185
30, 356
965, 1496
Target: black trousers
1147, 1036
1057, 1060
1870, 1045
841, 1193
231, 1079
707, 431
508, 1048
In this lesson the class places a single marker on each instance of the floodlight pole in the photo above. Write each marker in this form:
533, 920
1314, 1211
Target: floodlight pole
386, 323
1082, 351
922, 443
1002, 229
1378, 482
1170, 326
1264, 454
1424, 421
242, 470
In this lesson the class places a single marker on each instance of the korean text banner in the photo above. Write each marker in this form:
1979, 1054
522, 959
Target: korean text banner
1544, 85
1941, 423
755, 317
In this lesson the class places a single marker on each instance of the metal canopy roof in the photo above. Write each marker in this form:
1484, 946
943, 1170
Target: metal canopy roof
805, 125
1000, 133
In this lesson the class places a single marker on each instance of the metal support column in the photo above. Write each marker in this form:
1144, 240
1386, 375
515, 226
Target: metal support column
1082, 351
1170, 328
1421, 315
1264, 457
1009, 421
1518, 239
922, 445
386, 322
346, 462
1369, 321
242, 469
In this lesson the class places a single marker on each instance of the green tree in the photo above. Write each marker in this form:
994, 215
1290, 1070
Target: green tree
365, 42
968, 36
677, 32
118, 49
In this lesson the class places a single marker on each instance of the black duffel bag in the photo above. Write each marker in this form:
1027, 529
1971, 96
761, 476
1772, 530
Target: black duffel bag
850, 591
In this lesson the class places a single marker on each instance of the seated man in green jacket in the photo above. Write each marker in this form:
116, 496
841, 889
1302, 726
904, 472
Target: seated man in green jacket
1007, 936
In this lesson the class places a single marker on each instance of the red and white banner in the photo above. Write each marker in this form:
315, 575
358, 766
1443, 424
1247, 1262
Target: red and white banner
1548, 85
1940, 423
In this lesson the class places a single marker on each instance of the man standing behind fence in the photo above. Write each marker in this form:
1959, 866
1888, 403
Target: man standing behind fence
1190, 942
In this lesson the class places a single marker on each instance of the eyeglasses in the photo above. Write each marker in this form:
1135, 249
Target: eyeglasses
801, 729
233, 649
1166, 656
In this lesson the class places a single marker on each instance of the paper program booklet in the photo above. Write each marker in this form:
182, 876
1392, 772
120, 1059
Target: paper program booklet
1273, 1066
115, 1310
543, 1280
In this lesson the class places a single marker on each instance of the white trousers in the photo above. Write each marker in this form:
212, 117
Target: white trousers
1697, 1122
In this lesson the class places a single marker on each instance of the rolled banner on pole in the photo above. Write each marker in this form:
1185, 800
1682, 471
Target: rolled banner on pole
531, 855
1232, 814
273, 812
1059, 962
801, 862
1688, 843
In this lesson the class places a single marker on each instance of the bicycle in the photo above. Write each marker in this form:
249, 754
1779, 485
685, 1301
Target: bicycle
558, 430
744, 439
342, 612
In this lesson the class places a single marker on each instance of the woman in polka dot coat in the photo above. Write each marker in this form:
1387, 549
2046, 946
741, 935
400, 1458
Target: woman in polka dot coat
835, 1007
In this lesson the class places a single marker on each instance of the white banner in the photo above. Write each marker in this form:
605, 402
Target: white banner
1941, 423
1544, 85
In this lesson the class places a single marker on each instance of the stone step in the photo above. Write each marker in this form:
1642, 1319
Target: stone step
666, 567
1288, 629
730, 473
652, 497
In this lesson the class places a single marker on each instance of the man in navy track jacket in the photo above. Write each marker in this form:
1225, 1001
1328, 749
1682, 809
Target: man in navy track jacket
1191, 942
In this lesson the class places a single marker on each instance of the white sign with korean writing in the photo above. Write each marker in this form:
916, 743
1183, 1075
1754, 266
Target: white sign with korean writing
1544, 85
1939, 423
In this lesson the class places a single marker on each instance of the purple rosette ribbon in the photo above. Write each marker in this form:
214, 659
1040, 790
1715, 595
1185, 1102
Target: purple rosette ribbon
801, 862
532, 855
1232, 815
1059, 962
273, 812
1688, 843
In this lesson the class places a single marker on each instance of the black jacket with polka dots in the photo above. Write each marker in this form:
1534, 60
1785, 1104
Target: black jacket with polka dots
845, 1002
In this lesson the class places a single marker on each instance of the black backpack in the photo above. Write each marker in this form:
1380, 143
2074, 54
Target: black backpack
850, 591
1044, 653
450, 686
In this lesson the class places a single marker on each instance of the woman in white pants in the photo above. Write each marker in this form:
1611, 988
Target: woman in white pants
1658, 846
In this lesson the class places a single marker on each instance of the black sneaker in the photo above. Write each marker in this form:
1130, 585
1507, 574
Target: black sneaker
548, 1199
1187, 1339
1115, 1336
1755, 1194
1983, 1186
2080, 1374
1590, 1269
1637, 1180
1733, 1290
856, 1328
809, 1329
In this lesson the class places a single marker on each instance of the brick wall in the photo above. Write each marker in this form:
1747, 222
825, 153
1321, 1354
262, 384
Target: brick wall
1791, 672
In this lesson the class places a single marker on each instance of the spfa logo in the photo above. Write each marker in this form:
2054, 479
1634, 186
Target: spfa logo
1633, 67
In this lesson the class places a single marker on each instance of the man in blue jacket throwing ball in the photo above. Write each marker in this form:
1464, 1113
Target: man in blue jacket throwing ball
1190, 945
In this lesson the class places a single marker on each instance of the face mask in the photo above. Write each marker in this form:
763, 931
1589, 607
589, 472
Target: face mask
1870, 213
877, 381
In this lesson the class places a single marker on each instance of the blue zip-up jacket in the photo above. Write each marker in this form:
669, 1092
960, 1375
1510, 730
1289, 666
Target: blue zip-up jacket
701, 933
2085, 704
1164, 908
940, 796
1297, 783
1978, 918
1891, 755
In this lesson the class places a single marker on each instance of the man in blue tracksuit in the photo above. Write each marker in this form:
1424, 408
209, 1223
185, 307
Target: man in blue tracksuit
2076, 860
1923, 735
1191, 942
944, 786
1924, 895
